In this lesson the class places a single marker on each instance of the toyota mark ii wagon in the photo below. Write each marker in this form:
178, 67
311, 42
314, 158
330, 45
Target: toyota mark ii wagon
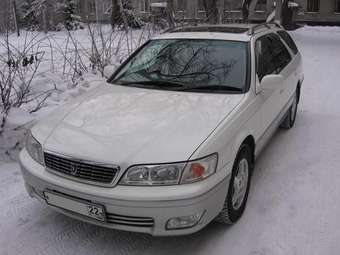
169, 143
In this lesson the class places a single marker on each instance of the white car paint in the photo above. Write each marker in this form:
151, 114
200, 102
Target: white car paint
127, 126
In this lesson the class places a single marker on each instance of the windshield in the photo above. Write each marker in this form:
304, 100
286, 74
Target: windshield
187, 64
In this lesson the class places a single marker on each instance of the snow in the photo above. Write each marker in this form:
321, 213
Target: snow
290, 4
293, 206
293, 4
159, 5
55, 75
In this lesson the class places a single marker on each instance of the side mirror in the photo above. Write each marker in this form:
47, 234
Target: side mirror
109, 70
271, 81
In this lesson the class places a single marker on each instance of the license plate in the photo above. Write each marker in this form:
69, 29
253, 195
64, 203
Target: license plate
79, 206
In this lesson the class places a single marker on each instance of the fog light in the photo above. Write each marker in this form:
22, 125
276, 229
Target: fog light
184, 221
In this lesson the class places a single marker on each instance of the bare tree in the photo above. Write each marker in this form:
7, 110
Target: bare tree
18, 69
278, 11
211, 10
245, 10
286, 15
170, 13
116, 13
5, 16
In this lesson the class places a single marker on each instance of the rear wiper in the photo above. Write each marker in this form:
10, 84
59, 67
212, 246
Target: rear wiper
158, 83
214, 88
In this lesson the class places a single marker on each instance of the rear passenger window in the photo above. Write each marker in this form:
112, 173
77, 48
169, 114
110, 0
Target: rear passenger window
272, 55
264, 57
280, 53
289, 41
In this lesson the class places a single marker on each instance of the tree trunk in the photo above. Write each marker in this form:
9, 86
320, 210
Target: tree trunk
278, 11
211, 11
15, 14
245, 10
170, 13
287, 15
44, 18
115, 13
221, 8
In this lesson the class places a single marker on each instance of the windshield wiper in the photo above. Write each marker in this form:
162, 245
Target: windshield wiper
214, 88
183, 87
158, 83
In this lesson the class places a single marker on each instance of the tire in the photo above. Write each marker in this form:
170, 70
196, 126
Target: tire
290, 119
233, 208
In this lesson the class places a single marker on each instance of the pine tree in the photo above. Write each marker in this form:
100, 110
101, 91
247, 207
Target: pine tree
36, 14
29, 18
71, 20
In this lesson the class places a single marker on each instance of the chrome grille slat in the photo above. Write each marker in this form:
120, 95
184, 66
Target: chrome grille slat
137, 224
97, 168
83, 165
53, 164
130, 220
96, 173
60, 162
90, 177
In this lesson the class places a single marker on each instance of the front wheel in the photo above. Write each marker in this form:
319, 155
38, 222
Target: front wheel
238, 190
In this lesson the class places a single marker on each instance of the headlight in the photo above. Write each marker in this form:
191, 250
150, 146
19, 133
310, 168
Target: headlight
200, 169
170, 174
34, 149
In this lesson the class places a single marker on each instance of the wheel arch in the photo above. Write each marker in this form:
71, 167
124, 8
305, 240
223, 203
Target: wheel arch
250, 140
246, 139
298, 90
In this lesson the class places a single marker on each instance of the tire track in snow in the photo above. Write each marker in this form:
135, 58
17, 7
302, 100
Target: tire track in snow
60, 243
83, 238
55, 243
17, 206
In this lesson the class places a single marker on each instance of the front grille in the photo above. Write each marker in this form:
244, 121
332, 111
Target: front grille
146, 222
80, 170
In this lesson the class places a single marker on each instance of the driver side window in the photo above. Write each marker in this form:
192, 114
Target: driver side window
264, 57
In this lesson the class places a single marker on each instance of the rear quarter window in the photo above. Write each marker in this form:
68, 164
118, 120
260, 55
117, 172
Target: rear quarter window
289, 41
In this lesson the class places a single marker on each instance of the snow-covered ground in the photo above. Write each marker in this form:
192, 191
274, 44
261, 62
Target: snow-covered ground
293, 207
66, 70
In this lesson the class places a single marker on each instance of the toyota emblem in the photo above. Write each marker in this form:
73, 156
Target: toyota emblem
74, 169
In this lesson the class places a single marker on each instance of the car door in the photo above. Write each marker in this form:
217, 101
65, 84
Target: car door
271, 102
295, 65
285, 67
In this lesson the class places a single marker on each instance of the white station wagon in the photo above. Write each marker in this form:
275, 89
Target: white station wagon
169, 143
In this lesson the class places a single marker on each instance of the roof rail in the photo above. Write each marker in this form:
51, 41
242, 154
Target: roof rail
278, 25
168, 30
256, 27
250, 32
253, 29
173, 29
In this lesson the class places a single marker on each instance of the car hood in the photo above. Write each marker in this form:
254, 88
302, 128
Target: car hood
126, 125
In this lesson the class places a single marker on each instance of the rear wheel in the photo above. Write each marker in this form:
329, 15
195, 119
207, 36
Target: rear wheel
292, 112
238, 190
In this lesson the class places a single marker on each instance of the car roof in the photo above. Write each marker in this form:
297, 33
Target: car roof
231, 32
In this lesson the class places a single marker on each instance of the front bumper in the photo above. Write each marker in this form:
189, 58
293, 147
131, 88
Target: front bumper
135, 203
